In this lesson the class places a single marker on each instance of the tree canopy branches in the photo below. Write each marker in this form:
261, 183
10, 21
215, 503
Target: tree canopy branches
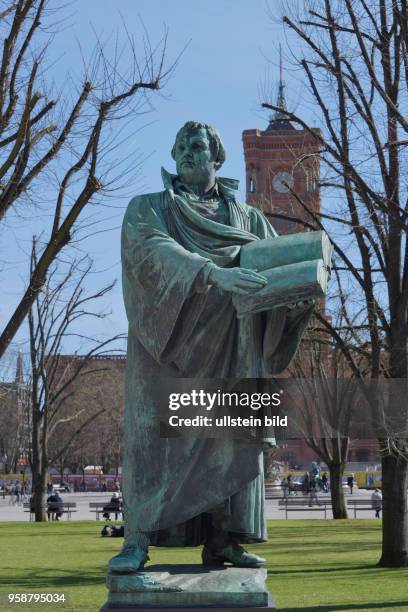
64, 141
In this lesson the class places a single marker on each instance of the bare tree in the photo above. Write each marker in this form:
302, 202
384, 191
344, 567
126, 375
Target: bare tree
325, 407
354, 60
64, 146
55, 401
101, 386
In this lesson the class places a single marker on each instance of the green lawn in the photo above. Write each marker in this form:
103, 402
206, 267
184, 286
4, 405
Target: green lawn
313, 565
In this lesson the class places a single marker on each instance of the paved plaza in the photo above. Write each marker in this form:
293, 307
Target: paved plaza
9, 512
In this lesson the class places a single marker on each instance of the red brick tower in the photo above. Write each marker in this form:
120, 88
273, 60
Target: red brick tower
279, 161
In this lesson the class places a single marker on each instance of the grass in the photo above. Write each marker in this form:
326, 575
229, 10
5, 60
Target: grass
315, 566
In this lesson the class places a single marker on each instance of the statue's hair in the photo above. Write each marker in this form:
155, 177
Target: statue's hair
216, 146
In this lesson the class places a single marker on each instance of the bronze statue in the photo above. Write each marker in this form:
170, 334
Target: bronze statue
180, 252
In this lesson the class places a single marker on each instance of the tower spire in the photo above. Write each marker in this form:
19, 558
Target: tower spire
19, 369
281, 102
279, 120
280, 64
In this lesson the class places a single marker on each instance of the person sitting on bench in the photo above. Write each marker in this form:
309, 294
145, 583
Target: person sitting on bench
112, 506
54, 511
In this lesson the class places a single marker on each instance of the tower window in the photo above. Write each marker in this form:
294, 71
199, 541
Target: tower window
311, 180
251, 185
307, 179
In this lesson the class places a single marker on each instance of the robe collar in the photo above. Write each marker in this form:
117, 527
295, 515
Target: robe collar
225, 186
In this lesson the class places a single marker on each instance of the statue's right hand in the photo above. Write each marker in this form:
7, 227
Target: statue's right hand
236, 280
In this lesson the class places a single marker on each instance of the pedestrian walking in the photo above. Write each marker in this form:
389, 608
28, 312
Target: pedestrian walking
285, 488
290, 484
350, 483
18, 492
24, 494
376, 502
313, 492
306, 483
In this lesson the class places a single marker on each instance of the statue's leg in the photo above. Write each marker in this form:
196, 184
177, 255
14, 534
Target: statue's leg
239, 519
133, 555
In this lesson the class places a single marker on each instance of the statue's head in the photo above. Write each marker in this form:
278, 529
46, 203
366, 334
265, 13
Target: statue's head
198, 152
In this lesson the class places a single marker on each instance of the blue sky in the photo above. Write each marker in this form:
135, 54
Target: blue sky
217, 77
231, 46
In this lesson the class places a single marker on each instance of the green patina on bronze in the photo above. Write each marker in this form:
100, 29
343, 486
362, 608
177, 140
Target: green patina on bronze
180, 254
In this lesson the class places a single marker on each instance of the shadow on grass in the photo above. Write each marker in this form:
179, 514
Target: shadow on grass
46, 578
340, 527
315, 547
323, 570
398, 605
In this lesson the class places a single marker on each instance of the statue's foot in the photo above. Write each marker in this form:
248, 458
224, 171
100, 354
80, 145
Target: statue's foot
232, 553
130, 560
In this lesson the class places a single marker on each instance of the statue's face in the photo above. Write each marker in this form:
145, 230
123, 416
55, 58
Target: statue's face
194, 159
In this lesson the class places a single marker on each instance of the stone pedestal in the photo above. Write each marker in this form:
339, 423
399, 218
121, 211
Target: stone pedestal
193, 587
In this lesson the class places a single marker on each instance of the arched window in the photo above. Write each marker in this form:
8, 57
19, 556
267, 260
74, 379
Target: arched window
311, 181
251, 185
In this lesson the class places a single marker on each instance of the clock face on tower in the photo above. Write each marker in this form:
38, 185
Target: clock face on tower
282, 182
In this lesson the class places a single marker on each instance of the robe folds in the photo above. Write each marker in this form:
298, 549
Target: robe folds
180, 327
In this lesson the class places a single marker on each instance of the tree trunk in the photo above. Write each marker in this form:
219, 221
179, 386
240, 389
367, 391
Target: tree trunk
39, 472
395, 511
338, 501
39, 495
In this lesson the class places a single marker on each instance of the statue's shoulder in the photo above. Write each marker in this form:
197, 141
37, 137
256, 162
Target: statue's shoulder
141, 206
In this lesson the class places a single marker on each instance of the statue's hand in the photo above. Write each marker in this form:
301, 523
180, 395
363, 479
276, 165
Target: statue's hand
236, 280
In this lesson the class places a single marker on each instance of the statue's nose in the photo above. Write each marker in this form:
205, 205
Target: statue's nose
187, 157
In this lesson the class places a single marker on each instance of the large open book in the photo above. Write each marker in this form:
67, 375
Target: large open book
296, 266
284, 250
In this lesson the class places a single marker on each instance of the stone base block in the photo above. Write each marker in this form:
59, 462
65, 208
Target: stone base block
224, 588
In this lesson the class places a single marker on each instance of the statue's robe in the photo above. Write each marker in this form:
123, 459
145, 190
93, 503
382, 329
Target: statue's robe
180, 327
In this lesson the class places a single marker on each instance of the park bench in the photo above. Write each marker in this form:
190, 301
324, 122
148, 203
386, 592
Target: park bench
63, 507
360, 504
302, 504
101, 507
272, 490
